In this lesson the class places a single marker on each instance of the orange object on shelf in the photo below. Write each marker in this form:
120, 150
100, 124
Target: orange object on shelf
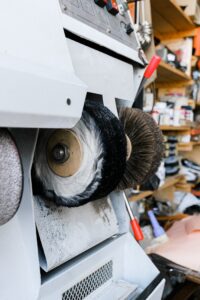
197, 42
195, 131
196, 193
132, 9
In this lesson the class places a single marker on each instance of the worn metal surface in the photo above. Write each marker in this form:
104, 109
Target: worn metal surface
67, 232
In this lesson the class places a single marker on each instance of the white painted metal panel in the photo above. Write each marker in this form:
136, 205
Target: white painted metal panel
129, 263
93, 35
105, 75
36, 71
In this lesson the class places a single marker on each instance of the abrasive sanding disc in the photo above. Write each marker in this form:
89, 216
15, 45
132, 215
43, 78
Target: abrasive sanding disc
10, 177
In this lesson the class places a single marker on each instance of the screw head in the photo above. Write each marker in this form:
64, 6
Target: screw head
68, 101
64, 7
60, 153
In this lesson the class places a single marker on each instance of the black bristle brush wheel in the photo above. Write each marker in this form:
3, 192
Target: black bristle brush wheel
115, 149
159, 146
82, 164
11, 183
146, 147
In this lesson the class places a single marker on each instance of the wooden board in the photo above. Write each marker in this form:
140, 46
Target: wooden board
166, 194
140, 196
169, 18
174, 128
196, 143
193, 155
185, 147
169, 182
172, 84
168, 74
176, 35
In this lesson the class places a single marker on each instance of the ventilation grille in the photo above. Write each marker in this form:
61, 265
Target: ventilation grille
89, 284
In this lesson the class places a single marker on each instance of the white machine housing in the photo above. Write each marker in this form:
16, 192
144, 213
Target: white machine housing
45, 76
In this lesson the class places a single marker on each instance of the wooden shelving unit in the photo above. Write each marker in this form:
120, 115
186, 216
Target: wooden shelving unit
187, 147
170, 21
170, 181
174, 128
167, 75
196, 143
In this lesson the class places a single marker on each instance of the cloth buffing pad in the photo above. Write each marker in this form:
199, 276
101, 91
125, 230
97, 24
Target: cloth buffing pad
11, 177
86, 163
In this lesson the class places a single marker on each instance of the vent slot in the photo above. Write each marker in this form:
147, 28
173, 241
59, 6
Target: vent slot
90, 283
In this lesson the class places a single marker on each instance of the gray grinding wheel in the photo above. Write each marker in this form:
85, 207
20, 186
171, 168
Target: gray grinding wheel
10, 177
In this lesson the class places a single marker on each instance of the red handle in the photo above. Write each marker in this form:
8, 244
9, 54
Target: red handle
136, 230
154, 63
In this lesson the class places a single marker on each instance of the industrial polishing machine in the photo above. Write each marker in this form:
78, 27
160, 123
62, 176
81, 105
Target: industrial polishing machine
70, 144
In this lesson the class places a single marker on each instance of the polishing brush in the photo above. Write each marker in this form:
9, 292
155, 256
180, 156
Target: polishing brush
82, 164
147, 146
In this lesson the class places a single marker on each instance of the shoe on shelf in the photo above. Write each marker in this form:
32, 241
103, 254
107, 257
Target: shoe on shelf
191, 165
191, 176
186, 202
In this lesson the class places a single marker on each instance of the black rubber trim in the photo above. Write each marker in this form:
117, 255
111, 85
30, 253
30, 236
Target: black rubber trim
150, 288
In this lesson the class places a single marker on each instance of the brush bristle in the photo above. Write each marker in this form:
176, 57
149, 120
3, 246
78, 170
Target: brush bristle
104, 160
159, 146
147, 146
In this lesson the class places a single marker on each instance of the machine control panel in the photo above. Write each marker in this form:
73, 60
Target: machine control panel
112, 7
101, 3
104, 16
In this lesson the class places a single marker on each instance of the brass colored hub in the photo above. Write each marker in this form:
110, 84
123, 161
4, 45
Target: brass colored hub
64, 153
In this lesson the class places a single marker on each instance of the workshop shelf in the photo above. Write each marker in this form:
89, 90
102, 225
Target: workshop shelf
170, 181
169, 20
168, 74
174, 128
185, 147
